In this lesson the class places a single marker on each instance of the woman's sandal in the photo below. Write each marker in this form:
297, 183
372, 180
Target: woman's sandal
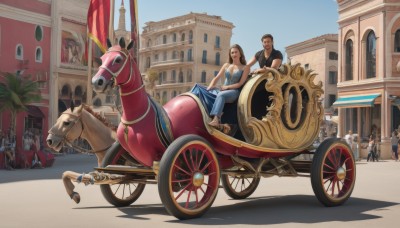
214, 123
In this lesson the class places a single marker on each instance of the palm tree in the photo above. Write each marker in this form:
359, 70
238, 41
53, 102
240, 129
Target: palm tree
16, 92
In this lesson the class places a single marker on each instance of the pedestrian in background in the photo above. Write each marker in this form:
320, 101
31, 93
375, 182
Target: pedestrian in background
394, 140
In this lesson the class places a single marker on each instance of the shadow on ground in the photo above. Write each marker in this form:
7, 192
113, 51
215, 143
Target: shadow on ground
271, 211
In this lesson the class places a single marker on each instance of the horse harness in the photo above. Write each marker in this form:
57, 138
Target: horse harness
71, 144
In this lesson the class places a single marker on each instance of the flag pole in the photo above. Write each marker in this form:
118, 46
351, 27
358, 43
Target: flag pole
111, 25
89, 79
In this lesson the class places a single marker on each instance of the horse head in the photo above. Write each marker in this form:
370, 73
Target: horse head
117, 68
67, 128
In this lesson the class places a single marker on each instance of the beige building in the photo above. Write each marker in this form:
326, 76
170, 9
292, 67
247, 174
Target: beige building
182, 51
319, 54
368, 81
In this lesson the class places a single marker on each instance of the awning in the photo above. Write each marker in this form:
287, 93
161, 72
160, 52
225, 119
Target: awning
356, 101
35, 111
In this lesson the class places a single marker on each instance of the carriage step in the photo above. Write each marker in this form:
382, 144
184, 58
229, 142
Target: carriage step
123, 169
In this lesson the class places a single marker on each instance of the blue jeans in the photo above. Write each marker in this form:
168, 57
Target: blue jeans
226, 96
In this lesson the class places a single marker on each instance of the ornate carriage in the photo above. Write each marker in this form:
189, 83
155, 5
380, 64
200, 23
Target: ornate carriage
278, 114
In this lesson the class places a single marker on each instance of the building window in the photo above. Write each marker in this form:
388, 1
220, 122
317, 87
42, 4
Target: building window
174, 37
397, 41
349, 60
190, 37
332, 77
97, 102
182, 56
38, 33
215, 73
164, 76
165, 56
180, 77
203, 77
306, 66
371, 55
38, 55
174, 54
149, 43
331, 99
205, 37
217, 42
156, 58
173, 76
189, 76
204, 58
173, 94
19, 52
148, 62
333, 55
190, 56
217, 59
160, 79
183, 37
164, 39
164, 97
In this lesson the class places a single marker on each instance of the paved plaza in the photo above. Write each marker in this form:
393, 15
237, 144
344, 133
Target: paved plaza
36, 198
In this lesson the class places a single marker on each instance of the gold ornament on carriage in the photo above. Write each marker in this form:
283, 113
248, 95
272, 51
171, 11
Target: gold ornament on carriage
281, 109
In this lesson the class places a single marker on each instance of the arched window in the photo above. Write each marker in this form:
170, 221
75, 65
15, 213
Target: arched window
371, 55
174, 37
189, 76
217, 42
204, 58
173, 76
183, 37
38, 55
189, 55
397, 41
182, 56
180, 77
97, 102
205, 37
190, 36
148, 62
203, 77
349, 60
19, 52
217, 59
173, 94
164, 39
65, 91
38, 33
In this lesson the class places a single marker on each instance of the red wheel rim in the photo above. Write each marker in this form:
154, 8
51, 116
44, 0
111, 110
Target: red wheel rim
194, 177
338, 172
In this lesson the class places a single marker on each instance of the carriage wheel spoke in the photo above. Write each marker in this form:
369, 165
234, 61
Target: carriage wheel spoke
188, 199
175, 165
182, 191
206, 166
201, 159
187, 163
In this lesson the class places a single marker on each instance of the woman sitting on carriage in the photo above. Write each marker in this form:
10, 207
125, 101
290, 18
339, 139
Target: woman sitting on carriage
235, 72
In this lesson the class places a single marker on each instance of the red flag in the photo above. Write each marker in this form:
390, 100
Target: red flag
134, 28
98, 22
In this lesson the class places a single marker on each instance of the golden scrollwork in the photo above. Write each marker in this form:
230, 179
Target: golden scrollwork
281, 109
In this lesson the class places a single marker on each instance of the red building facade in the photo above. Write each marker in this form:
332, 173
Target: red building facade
25, 40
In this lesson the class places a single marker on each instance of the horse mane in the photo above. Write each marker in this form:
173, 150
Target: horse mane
99, 117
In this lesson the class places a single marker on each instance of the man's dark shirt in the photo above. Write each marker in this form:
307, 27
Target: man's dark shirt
275, 54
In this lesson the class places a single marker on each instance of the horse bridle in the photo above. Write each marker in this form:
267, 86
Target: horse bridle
64, 138
115, 75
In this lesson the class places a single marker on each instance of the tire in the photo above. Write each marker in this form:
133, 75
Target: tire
123, 194
188, 178
239, 187
333, 172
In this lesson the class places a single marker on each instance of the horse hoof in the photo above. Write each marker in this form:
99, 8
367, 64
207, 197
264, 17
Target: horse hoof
76, 197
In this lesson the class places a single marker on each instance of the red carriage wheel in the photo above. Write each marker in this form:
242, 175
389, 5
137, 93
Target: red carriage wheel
333, 172
122, 194
239, 186
188, 178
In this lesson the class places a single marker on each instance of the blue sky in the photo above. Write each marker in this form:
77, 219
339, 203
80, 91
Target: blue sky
289, 21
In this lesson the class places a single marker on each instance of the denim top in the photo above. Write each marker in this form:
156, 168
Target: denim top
234, 78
